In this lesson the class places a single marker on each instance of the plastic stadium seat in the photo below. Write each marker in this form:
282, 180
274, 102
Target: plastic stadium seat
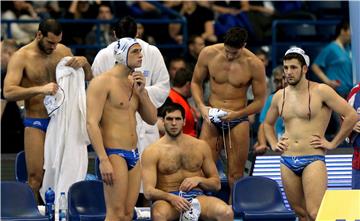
18, 202
86, 201
20, 167
259, 198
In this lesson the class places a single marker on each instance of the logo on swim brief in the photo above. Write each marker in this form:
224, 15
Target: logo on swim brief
37, 123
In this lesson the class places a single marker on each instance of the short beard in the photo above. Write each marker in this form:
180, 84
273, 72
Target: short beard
298, 80
171, 134
42, 48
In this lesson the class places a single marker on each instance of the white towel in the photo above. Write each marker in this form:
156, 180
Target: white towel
65, 150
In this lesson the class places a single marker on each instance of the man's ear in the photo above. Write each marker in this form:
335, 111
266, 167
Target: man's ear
39, 35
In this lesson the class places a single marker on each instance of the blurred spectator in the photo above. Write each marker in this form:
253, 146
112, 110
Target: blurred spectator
175, 64
79, 10
143, 35
12, 128
21, 32
47, 9
261, 146
200, 21
333, 65
106, 35
195, 44
179, 93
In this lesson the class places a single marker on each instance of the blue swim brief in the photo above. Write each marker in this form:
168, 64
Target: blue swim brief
188, 195
39, 123
297, 164
131, 156
224, 125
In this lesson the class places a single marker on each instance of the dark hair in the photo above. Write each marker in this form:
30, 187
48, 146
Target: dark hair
343, 25
50, 25
182, 76
295, 56
171, 107
193, 38
236, 37
126, 27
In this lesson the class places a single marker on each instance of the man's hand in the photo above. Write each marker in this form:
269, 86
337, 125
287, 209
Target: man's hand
357, 127
77, 62
320, 142
204, 111
189, 183
281, 145
50, 88
180, 204
333, 83
139, 82
260, 149
107, 172
231, 115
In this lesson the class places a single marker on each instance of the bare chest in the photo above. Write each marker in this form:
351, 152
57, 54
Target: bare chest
122, 97
39, 70
301, 106
233, 73
171, 161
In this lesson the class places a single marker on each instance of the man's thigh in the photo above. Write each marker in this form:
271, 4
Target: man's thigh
34, 149
116, 194
211, 207
293, 188
165, 210
238, 148
210, 135
314, 183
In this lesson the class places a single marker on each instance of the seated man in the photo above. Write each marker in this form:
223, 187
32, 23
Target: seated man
175, 174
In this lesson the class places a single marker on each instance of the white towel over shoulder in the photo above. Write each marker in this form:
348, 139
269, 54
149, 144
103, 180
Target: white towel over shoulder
65, 150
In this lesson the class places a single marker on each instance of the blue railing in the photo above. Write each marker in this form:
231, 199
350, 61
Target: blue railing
98, 45
302, 33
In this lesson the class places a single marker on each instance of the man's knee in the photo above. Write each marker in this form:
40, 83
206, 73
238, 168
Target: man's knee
313, 213
225, 213
300, 212
158, 214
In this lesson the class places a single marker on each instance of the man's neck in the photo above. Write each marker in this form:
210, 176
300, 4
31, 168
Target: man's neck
302, 85
179, 90
122, 71
172, 140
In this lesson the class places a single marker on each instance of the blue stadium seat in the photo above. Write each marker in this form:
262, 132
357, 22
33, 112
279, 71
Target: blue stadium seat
20, 167
86, 201
18, 202
259, 198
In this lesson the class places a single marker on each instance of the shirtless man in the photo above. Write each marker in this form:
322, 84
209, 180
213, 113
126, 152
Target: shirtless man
31, 76
232, 69
303, 145
112, 101
177, 169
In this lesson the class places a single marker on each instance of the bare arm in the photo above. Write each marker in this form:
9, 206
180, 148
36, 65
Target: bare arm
146, 109
271, 117
322, 76
95, 101
149, 161
211, 181
12, 89
258, 88
80, 62
340, 106
201, 71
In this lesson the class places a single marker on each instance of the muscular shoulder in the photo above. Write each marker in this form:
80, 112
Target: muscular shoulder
323, 90
200, 145
152, 151
100, 82
252, 59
